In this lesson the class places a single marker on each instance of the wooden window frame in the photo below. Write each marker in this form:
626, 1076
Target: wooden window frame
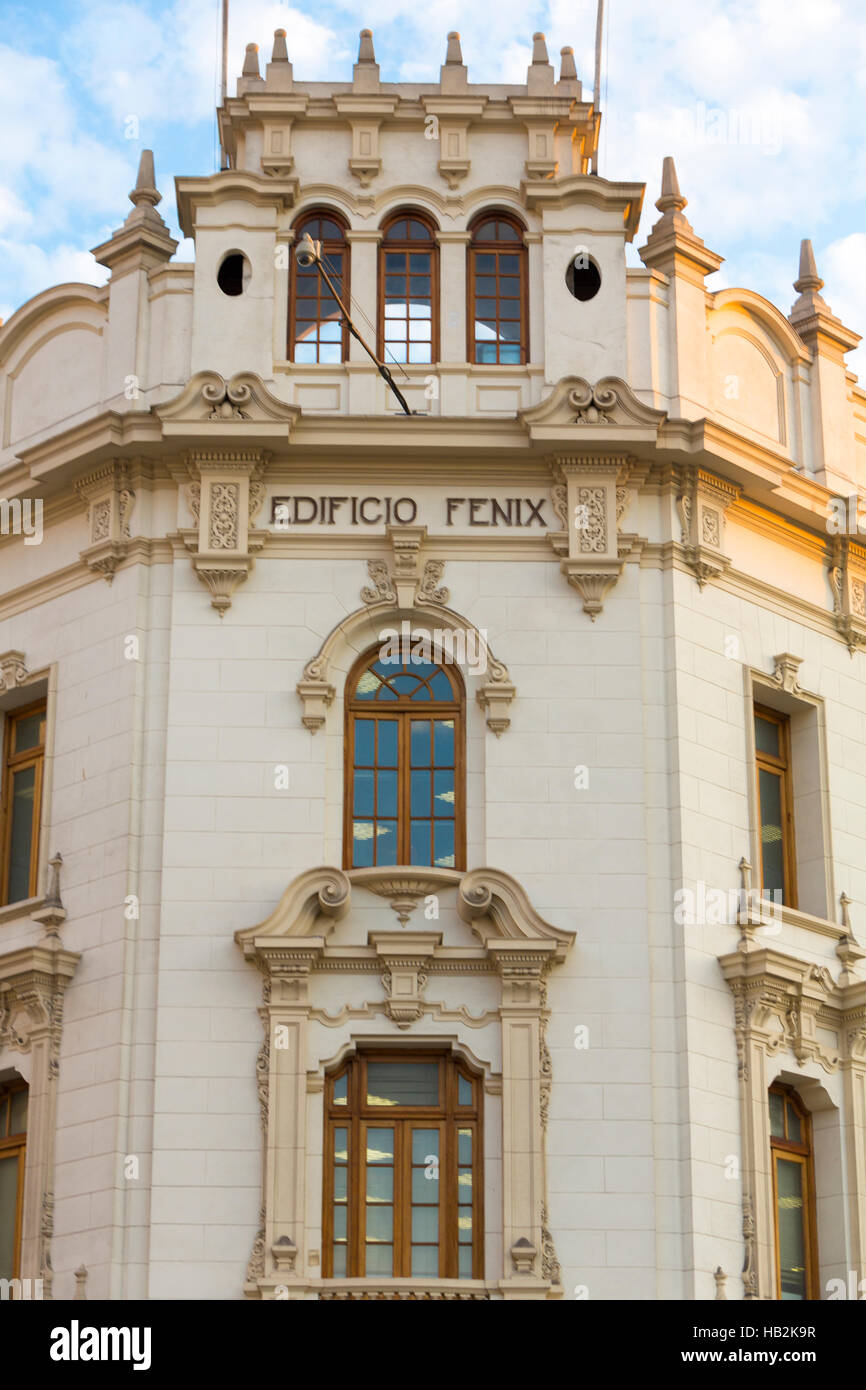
328, 248
803, 1153
782, 766
403, 710
12, 1145
432, 248
13, 763
356, 1116
500, 247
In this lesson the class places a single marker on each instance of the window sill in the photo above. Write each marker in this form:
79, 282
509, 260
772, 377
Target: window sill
360, 1290
13, 912
762, 912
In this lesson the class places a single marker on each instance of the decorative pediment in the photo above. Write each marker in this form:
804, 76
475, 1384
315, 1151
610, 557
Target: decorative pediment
242, 408
608, 412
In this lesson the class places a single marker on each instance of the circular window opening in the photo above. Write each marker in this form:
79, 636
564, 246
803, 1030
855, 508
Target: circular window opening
583, 277
233, 275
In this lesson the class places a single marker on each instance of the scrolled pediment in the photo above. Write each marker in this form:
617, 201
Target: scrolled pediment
579, 411
242, 407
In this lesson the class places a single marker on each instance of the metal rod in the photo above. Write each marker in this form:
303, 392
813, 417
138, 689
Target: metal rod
380, 366
596, 90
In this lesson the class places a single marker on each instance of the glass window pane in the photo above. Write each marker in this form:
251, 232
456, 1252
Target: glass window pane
509, 355
772, 848
425, 1261
340, 1258
363, 804
485, 284
443, 742
28, 732
387, 743
380, 1184
402, 1083
790, 1216
386, 842
425, 1184
340, 1221
485, 309
425, 1224
420, 793
464, 1226
386, 804
441, 687
425, 1145
420, 740
8, 1208
305, 352
777, 1115
18, 1116
509, 265
443, 844
330, 332
341, 1089
395, 309
395, 331
464, 1147
464, 1091
420, 330
794, 1128
485, 263
380, 1223
362, 844
395, 285
368, 683
420, 352
464, 1187
341, 1144
485, 352
395, 260
443, 792
766, 736
380, 1145
420, 309
331, 352
509, 285
464, 1268
341, 1182
380, 1260
21, 844
419, 262
419, 286
420, 842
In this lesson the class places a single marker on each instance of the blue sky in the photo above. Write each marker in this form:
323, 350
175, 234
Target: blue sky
761, 102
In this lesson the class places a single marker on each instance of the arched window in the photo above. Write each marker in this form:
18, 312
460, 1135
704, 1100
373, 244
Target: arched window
793, 1196
403, 1170
13, 1145
408, 291
498, 322
404, 799
317, 332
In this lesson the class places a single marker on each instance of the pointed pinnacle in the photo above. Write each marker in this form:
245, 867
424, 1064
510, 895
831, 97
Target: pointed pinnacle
671, 199
365, 52
454, 53
251, 61
145, 190
280, 53
567, 71
539, 49
808, 279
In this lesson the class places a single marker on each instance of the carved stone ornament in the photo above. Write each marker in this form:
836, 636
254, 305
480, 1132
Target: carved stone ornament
110, 499
405, 582
577, 415
785, 669
224, 494
318, 931
211, 412
788, 1012
367, 626
846, 563
13, 670
585, 498
702, 500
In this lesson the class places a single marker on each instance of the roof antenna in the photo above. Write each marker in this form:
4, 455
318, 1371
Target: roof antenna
224, 76
596, 90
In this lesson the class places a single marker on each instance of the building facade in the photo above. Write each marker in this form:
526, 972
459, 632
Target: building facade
433, 838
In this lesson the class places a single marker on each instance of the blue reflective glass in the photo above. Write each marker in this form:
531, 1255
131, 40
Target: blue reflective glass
420, 837
364, 802
421, 793
420, 742
443, 792
364, 735
443, 843
387, 743
443, 741
387, 794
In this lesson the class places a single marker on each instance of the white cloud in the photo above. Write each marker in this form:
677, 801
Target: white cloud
31, 269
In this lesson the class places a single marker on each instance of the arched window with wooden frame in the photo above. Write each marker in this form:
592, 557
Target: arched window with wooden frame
793, 1196
21, 796
403, 1169
404, 786
409, 289
498, 316
13, 1149
317, 329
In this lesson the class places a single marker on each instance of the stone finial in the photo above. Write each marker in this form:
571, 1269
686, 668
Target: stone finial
845, 903
52, 913
365, 51
80, 1295
145, 190
251, 61
539, 49
671, 199
52, 897
280, 53
454, 53
567, 70
808, 279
